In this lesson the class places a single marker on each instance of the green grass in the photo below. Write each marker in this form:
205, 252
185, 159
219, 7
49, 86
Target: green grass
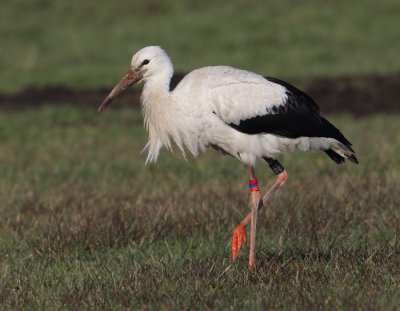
85, 225
90, 43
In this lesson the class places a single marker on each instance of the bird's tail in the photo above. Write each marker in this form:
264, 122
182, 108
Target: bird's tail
338, 152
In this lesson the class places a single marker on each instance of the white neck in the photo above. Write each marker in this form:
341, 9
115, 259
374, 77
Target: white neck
156, 86
155, 100
164, 118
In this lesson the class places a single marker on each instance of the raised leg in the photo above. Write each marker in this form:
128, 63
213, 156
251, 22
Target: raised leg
256, 204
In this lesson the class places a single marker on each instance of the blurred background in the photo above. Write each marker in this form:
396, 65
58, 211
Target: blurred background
73, 52
85, 223
90, 43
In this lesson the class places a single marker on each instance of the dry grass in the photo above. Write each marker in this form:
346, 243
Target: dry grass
86, 225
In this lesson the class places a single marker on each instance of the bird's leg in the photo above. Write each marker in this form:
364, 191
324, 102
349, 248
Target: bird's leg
254, 202
238, 233
282, 175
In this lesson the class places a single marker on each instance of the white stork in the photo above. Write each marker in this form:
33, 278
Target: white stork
238, 112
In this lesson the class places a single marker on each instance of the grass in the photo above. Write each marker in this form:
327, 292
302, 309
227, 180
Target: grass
90, 43
85, 225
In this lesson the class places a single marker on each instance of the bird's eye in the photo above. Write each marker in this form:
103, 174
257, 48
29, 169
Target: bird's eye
145, 62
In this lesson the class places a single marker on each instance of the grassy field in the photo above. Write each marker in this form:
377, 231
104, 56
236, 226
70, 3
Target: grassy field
90, 43
85, 225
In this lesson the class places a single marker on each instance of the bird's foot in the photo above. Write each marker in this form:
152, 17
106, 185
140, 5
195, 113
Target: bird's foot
238, 235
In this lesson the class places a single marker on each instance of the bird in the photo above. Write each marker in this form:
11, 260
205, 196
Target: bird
240, 113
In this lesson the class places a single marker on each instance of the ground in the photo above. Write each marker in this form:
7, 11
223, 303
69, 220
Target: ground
85, 224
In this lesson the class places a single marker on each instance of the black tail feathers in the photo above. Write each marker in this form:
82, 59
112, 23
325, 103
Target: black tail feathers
340, 159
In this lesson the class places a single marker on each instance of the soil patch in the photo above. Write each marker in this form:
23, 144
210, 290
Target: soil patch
358, 95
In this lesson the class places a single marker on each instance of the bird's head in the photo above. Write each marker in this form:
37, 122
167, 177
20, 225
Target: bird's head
148, 62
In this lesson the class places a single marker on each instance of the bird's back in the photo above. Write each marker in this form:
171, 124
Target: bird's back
216, 76
253, 104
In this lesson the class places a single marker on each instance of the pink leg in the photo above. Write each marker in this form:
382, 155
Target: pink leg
256, 204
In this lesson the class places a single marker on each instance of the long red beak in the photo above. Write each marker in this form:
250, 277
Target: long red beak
130, 78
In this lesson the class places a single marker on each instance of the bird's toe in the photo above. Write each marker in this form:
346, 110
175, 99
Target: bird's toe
238, 235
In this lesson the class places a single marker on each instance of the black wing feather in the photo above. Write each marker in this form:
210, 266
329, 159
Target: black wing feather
301, 96
298, 116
